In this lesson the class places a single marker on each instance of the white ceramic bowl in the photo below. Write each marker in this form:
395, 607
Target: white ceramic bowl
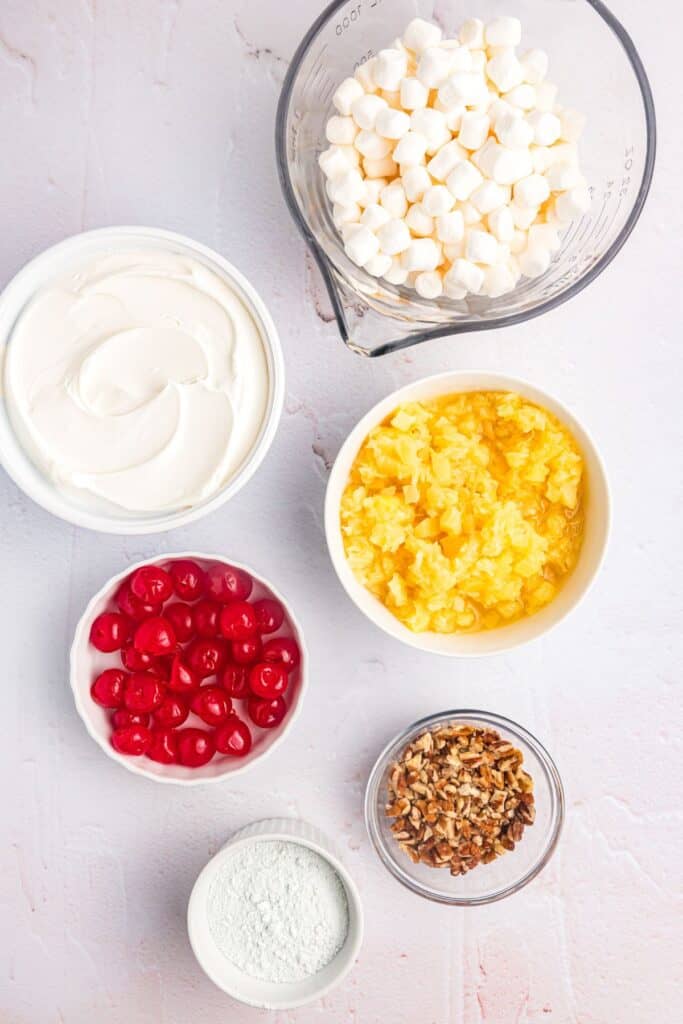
494, 641
222, 972
87, 662
71, 253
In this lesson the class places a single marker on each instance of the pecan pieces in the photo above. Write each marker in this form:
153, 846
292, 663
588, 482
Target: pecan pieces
460, 797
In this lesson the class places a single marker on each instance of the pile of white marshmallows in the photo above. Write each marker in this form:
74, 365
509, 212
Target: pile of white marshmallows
451, 169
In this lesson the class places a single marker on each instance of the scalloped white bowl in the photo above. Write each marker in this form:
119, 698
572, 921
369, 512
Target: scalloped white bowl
86, 663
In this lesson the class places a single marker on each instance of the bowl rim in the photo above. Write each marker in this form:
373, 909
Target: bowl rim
417, 336
491, 380
504, 725
40, 489
135, 765
281, 830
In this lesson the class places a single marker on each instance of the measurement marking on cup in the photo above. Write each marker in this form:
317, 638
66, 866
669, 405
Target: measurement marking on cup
352, 16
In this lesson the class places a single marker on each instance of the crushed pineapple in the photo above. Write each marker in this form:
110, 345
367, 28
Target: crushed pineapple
466, 512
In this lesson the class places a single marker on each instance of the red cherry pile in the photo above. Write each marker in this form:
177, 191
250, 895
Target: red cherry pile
191, 643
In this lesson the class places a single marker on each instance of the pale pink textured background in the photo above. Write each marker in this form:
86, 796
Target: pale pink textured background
161, 112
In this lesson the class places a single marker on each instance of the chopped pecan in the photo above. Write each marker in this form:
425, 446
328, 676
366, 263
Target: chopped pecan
459, 797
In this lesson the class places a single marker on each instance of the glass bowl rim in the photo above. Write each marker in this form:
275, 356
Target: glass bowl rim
330, 273
505, 725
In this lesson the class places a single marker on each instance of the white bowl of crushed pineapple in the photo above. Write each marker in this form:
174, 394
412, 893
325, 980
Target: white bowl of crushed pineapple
467, 513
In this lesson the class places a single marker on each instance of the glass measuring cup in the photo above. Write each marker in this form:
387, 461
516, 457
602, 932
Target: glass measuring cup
598, 71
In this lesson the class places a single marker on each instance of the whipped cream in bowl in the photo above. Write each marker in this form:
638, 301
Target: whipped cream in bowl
142, 380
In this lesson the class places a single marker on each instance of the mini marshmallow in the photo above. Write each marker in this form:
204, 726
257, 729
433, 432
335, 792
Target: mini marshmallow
467, 275
462, 88
463, 180
392, 124
546, 94
499, 107
497, 281
563, 175
503, 31
414, 95
512, 130
505, 166
420, 222
345, 214
416, 181
393, 199
448, 157
391, 66
472, 34
378, 265
501, 224
348, 91
531, 191
434, 67
333, 161
452, 288
505, 71
518, 241
341, 131
523, 216
394, 237
372, 145
346, 188
365, 74
422, 254
544, 235
541, 158
572, 124
397, 273
511, 165
411, 150
453, 116
461, 60
481, 247
563, 152
474, 130
489, 196
546, 127
535, 66
373, 191
471, 215
374, 216
454, 250
429, 284
361, 246
573, 203
384, 168
522, 96
437, 200
421, 34
479, 60
432, 125
534, 260
450, 227
365, 111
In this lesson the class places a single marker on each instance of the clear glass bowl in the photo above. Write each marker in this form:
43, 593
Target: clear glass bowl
487, 882
617, 155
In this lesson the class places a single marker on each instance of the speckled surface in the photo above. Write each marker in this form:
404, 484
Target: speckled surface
161, 112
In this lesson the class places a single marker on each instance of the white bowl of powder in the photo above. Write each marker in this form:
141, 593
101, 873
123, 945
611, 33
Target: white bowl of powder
274, 919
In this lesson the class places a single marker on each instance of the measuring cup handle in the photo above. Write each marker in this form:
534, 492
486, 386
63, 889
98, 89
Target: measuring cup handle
367, 330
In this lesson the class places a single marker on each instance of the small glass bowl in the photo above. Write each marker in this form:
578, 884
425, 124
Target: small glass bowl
487, 882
